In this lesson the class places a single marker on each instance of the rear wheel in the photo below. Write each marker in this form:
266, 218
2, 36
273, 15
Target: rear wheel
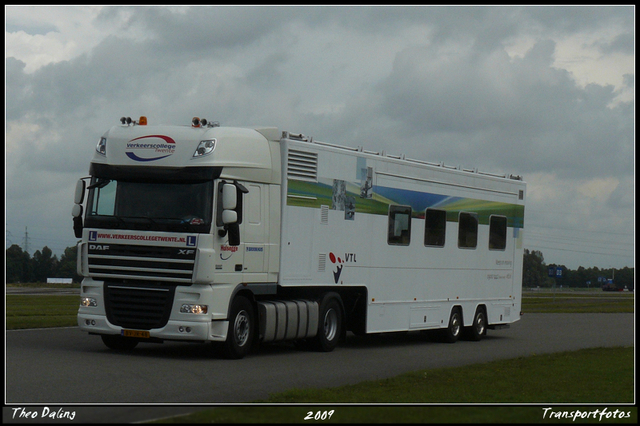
119, 343
240, 334
479, 326
453, 330
329, 323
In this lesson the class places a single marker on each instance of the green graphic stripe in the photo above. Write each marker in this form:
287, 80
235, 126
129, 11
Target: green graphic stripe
314, 195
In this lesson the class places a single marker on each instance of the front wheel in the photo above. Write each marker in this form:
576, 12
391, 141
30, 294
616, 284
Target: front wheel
241, 329
329, 324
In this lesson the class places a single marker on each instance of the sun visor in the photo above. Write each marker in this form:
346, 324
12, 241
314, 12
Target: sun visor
165, 174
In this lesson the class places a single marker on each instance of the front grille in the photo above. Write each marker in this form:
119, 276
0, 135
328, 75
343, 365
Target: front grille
138, 306
141, 262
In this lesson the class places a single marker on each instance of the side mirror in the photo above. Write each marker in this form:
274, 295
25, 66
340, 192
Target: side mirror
229, 197
80, 189
229, 211
76, 211
229, 217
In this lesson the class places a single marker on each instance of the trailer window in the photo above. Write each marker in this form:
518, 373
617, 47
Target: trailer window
399, 225
497, 233
435, 222
467, 230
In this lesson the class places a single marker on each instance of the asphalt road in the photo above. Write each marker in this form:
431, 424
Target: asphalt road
64, 367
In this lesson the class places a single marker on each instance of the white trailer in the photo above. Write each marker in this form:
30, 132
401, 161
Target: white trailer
207, 233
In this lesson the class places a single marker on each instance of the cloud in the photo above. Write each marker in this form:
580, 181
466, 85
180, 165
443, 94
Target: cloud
622, 43
520, 113
504, 89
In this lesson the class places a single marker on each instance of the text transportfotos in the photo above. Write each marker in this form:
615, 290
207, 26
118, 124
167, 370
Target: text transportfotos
577, 414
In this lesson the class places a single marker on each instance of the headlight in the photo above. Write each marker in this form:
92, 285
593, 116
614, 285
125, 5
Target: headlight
193, 309
101, 148
88, 301
205, 148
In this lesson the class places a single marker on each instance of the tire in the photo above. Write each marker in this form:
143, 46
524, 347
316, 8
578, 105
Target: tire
241, 332
454, 328
119, 343
330, 324
479, 326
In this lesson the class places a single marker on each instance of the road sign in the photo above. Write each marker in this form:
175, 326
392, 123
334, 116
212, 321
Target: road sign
555, 271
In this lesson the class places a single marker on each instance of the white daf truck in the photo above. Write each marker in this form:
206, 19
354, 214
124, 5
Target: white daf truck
245, 235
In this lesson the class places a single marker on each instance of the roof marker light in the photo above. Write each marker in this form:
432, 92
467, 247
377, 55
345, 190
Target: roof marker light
101, 147
142, 121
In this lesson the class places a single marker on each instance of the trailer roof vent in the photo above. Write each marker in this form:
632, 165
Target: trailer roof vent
302, 165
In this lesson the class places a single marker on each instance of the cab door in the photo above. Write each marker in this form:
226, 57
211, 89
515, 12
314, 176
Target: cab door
253, 232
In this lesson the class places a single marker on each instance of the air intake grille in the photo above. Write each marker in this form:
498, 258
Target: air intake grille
141, 262
302, 165
138, 306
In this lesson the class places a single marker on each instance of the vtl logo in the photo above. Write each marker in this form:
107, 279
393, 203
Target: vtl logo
339, 263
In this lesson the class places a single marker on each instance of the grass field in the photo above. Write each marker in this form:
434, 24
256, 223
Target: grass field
27, 311
578, 302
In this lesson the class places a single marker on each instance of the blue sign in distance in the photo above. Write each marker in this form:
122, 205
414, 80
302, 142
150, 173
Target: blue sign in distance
555, 271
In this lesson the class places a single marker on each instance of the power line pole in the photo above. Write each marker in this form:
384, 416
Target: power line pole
9, 237
26, 240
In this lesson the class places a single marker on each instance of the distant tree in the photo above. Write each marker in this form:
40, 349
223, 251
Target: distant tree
533, 269
45, 264
625, 277
67, 264
535, 273
579, 277
18, 265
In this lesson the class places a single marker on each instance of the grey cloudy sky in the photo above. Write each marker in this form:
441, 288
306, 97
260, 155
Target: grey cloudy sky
544, 92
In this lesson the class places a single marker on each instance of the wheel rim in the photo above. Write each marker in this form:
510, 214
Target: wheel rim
480, 323
241, 328
330, 324
455, 324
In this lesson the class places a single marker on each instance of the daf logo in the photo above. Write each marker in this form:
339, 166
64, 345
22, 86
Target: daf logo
98, 247
185, 252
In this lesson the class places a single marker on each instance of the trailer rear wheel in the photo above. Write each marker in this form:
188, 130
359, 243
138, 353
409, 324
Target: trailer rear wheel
479, 326
329, 324
119, 343
453, 330
241, 329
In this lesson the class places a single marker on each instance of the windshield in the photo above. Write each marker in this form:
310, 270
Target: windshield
150, 205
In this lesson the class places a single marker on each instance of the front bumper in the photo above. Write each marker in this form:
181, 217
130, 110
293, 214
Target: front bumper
174, 330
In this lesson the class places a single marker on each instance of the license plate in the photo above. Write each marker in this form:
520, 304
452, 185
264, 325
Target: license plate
140, 334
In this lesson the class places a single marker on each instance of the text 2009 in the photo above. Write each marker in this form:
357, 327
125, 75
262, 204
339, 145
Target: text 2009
319, 415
